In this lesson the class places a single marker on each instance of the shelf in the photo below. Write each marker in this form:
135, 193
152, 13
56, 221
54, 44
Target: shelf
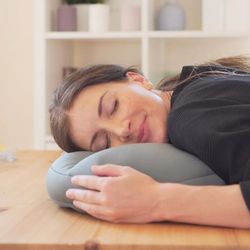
196, 34
89, 35
137, 35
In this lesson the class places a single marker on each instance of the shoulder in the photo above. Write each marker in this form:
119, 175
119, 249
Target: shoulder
232, 86
207, 103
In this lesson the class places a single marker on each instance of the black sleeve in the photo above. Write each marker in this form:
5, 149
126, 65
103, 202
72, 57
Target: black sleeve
210, 118
245, 189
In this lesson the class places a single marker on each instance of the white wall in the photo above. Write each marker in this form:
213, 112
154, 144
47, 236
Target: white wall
16, 73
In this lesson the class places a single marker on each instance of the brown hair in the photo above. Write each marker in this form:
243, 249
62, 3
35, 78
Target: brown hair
66, 92
227, 66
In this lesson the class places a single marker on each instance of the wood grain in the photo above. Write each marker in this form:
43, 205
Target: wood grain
30, 220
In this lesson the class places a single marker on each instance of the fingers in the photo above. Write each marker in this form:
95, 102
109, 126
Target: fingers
96, 182
87, 196
90, 201
107, 170
94, 210
88, 181
95, 198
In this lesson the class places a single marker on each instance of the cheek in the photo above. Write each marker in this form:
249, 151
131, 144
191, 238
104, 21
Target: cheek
155, 105
135, 102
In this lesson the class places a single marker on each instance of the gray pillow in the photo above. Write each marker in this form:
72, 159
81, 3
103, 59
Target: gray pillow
163, 162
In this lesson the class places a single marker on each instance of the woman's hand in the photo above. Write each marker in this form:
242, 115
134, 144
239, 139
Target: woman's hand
122, 194
116, 193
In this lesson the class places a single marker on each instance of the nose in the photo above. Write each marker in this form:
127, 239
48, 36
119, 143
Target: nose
124, 131
121, 130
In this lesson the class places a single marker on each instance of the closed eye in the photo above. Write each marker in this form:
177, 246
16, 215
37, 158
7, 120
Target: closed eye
115, 107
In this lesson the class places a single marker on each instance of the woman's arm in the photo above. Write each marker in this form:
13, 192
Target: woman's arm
207, 205
122, 194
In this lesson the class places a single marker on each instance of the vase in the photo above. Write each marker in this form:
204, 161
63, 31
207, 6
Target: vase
98, 17
82, 11
171, 16
130, 17
66, 18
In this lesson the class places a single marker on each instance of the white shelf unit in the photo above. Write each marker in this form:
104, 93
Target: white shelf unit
155, 52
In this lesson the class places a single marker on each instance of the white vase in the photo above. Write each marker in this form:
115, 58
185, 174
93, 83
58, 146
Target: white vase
130, 17
82, 15
171, 16
98, 17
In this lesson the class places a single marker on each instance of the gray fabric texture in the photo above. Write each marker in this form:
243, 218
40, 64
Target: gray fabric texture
163, 162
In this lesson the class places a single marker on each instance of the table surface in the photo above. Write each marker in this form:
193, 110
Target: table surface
30, 220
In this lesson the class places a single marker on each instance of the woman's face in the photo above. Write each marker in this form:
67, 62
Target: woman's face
117, 113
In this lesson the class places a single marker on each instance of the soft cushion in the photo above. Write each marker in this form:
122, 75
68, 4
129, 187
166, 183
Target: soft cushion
163, 162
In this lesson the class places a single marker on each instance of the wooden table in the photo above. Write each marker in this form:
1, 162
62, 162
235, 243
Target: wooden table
30, 220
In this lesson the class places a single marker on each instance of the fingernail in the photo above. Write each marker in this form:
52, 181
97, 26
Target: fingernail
73, 179
76, 203
69, 194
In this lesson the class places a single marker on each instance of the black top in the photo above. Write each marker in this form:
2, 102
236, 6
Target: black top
210, 118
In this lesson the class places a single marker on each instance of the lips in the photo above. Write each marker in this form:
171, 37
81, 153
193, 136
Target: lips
143, 131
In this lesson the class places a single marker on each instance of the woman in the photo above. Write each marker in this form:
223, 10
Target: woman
205, 111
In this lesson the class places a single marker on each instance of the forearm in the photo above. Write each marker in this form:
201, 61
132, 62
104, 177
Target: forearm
208, 205
133, 197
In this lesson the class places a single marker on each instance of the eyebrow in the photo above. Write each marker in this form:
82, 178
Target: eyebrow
99, 115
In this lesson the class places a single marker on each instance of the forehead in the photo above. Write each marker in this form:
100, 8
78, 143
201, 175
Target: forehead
91, 95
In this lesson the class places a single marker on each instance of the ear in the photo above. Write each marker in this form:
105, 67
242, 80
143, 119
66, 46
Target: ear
140, 79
